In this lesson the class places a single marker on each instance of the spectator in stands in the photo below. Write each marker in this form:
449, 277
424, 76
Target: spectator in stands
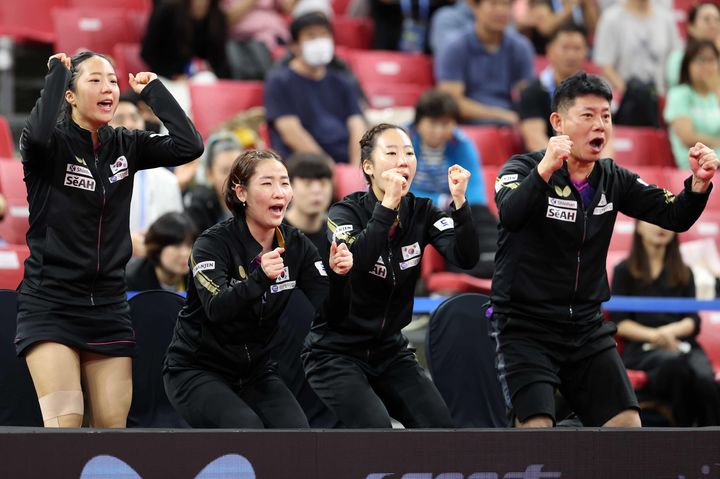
693, 110
357, 360
204, 203
403, 25
259, 20
217, 371
557, 213
481, 67
703, 24
155, 191
312, 108
185, 41
664, 344
73, 318
566, 51
439, 144
311, 179
627, 28
546, 16
168, 242
448, 22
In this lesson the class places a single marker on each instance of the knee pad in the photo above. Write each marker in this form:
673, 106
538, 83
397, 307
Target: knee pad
60, 403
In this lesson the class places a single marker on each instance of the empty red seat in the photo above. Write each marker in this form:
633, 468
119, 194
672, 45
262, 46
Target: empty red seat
127, 60
6, 139
641, 146
15, 224
29, 19
709, 338
353, 32
676, 178
215, 103
375, 66
144, 5
490, 173
12, 265
391, 95
348, 179
96, 29
495, 144
340, 7
438, 280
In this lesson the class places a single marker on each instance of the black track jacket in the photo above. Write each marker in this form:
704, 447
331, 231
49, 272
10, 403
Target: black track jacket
232, 308
378, 298
550, 263
79, 199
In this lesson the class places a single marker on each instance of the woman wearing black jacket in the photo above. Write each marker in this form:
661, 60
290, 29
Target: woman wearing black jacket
218, 372
73, 317
357, 359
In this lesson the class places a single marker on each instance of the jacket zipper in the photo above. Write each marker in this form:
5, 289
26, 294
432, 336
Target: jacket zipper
577, 268
392, 275
99, 236
247, 353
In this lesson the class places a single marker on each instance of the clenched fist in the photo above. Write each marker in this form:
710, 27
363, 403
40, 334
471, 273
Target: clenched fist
272, 263
64, 59
394, 183
458, 178
557, 152
140, 80
341, 259
703, 163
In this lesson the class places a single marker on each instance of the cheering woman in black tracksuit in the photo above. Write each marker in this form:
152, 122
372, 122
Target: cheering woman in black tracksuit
218, 371
73, 317
356, 359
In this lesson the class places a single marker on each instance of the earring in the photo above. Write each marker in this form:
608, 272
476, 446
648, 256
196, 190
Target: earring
243, 204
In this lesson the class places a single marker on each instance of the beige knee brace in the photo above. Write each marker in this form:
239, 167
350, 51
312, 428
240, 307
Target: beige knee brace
60, 403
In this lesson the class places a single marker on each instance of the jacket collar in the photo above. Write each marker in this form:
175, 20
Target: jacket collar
105, 133
251, 247
369, 201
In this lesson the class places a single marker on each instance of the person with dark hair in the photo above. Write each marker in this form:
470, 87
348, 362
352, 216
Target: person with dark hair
438, 144
217, 370
357, 360
73, 317
567, 50
167, 244
205, 203
312, 182
703, 23
312, 108
664, 344
557, 213
483, 66
692, 109
546, 16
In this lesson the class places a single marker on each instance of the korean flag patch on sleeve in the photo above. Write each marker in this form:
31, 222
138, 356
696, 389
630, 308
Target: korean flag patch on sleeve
444, 224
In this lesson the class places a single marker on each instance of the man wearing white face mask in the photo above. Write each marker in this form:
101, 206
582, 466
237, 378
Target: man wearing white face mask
310, 108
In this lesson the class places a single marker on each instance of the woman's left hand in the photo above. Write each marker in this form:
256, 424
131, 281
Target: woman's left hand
140, 80
341, 259
458, 178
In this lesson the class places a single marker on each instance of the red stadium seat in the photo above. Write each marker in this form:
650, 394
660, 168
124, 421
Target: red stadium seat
12, 259
340, 7
6, 139
15, 224
144, 5
375, 66
677, 177
622, 236
29, 19
707, 226
348, 179
96, 29
641, 146
353, 32
214, 103
127, 60
495, 144
490, 173
438, 280
391, 95
709, 338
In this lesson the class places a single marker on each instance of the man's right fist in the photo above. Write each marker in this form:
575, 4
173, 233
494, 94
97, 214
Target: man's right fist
558, 151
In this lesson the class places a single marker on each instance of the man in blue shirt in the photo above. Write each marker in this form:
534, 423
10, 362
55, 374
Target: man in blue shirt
482, 66
448, 22
310, 108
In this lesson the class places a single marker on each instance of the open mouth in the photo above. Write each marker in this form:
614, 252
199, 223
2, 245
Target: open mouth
106, 105
597, 144
276, 209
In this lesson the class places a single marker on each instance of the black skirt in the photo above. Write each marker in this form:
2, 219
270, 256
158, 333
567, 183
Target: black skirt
103, 329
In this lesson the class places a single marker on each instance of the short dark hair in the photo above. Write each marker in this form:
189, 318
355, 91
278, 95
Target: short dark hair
695, 9
436, 104
217, 143
580, 84
567, 27
308, 20
369, 140
311, 166
693, 49
242, 170
168, 230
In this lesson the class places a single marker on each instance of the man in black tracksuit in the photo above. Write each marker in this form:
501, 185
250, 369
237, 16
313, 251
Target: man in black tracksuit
557, 210
358, 360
